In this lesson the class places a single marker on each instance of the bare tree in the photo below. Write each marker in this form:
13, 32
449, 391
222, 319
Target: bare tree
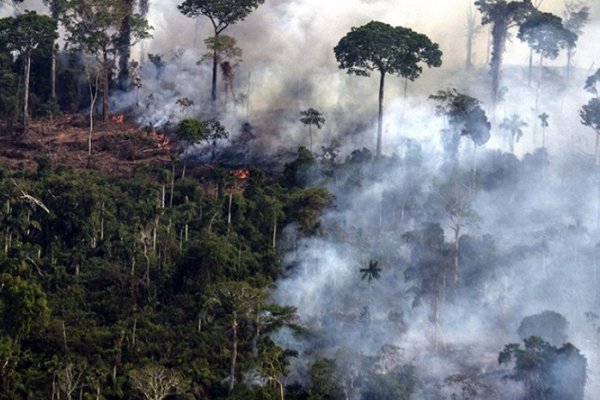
155, 382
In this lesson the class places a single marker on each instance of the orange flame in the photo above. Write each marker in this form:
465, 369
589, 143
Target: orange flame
163, 141
241, 173
119, 119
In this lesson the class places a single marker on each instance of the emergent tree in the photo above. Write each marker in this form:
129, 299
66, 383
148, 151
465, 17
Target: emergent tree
309, 118
502, 15
221, 14
94, 27
23, 34
377, 46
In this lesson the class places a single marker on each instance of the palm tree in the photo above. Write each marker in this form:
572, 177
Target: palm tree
513, 126
371, 272
311, 117
544, 123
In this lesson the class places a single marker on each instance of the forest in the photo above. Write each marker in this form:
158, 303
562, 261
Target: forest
293, 199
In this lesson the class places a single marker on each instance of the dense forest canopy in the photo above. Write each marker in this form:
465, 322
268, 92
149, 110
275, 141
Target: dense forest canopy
200, 200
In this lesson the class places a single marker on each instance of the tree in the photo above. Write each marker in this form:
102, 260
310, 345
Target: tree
543, 117
513, 126
309, 118
576, 15
155, 382
546, 35
92, 74
590, 116
221, 14
93, 27
472, 31
234, 300
380, 47
502, 15
229, 55
23, 306
371, 272
465, 116
24, 34
192, 131
548, 372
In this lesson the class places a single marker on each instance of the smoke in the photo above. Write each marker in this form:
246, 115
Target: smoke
529, 242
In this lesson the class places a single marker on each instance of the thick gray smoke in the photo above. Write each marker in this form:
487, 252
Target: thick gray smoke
528, 244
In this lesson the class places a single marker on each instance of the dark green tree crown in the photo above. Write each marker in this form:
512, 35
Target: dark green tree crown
393, 50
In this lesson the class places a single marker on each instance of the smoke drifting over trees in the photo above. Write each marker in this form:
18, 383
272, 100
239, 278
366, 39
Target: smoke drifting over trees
460, 254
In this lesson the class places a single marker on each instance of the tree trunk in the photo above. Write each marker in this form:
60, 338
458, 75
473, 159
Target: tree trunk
310, 137
105, 84
456, 271
380, 115
569, 59
125, 46
229, 213
172, 185
596, 154
499, 33
470, 36
234, 343
93, 97
213, 93
26, 91
530, 66
53, 75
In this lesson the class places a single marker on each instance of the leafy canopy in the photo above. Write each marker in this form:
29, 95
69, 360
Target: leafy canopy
312, 117
93, 26
193, 131
393, 50
27, 31
546, 35
590, 114
464, 114
221, 13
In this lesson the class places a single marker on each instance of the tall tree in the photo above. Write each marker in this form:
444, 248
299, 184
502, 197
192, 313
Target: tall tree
234, 300
466, 117
502, 15
309, 118
473, 29
546, 35
93, 27
380, 47
590, 116
124, 44
24, 34
575, 16
221, 14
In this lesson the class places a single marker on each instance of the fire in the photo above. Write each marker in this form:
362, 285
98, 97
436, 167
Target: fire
163, 141
119, 119
241, 173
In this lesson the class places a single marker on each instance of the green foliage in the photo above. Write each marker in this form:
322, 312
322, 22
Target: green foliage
93, 25
23, 305
389, 50
221, 13
590, 114
398, 384
548, 372
193, 131
546, 35
464, 114
28, 31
